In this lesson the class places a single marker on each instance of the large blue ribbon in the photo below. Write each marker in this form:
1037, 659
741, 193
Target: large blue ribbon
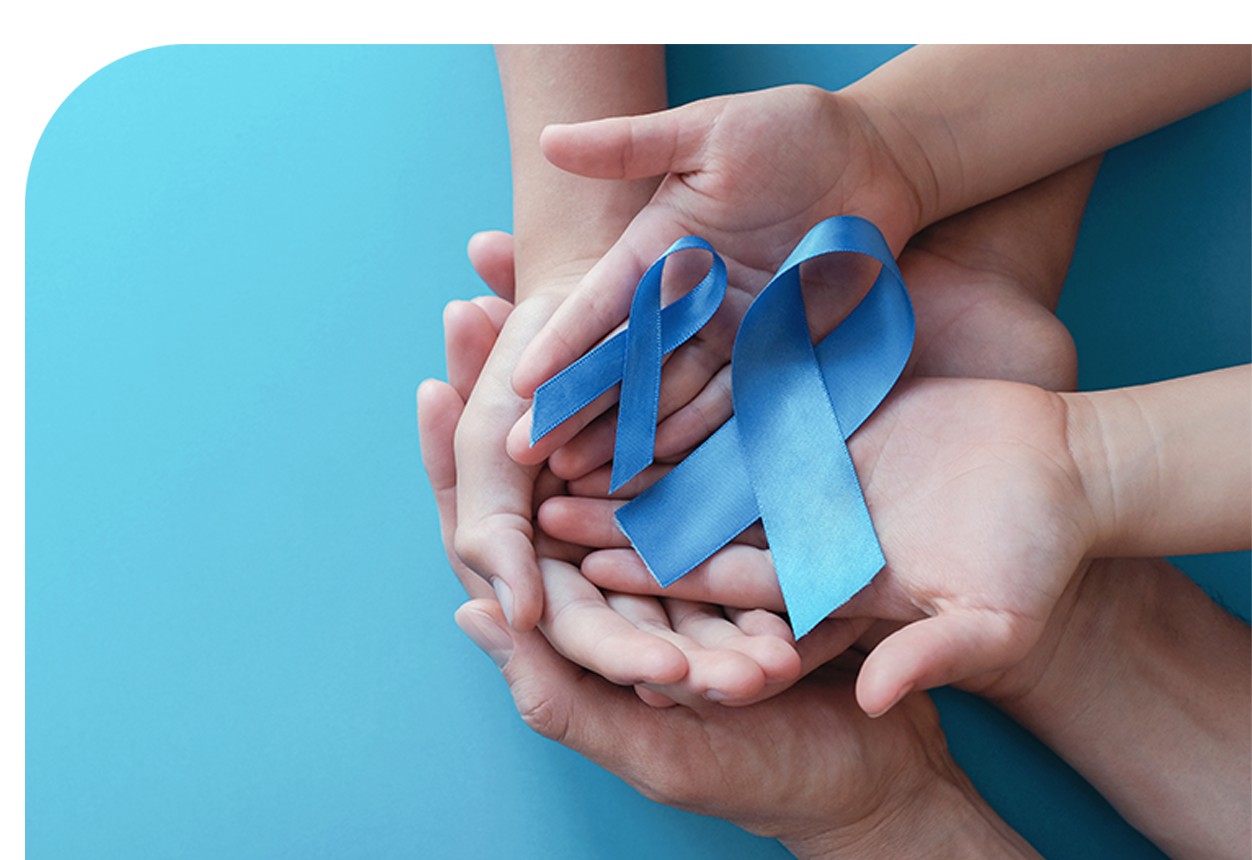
634, 357
783, 458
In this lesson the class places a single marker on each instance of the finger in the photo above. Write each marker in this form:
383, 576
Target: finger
491, 254
762, 637
601, 302
581, 624
438, 411
585, 522
555, 698
518, 443
825, 642
933, 652
589, 449
496, 309
695, 384
714, 673
694, 401
561, 702
633, 147
482, 621
652, 698
698, 418
595, 484
737, 575
829, 639
494, 535
469, 333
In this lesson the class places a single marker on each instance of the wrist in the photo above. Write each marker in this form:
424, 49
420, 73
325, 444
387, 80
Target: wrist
1141, 684
906, 182
1164, 467
943, 817
1088, 437
563, 222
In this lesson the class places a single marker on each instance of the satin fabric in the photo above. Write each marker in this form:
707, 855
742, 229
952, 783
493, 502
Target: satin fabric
782, 458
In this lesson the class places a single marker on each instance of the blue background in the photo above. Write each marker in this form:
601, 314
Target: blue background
239, 616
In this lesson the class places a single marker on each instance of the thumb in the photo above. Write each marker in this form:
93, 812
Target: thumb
555, 698
934, 652
634, 147
491, 254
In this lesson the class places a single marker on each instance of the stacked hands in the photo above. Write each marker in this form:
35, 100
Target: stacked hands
992, 488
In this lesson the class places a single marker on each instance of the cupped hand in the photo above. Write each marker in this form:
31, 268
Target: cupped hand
750, 173
806, 766
671, 650
982, 518
984, 286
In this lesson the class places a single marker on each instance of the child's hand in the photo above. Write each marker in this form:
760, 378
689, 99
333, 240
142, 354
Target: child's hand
984, 286
982, 516
751, 174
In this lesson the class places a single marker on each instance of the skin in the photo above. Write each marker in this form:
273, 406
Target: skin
1049, 706
983, 286
1138, 680
986, 496
805, 766
752, 173
564, 224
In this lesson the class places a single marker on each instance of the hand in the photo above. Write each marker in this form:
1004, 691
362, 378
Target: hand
981, 513
984, 286
564, 224
672, 650
806, 767
751, 174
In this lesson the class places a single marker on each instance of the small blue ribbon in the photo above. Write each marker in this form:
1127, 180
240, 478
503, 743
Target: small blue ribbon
783, 457
633, 357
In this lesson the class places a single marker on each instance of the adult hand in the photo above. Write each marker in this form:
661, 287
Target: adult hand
806, 767
671, 650
984, 284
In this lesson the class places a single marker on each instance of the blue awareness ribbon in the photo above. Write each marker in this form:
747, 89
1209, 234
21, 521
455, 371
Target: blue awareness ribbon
633, 356
783, 458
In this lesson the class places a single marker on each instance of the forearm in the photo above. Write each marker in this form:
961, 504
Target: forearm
562, 222
974, 122
1146, 692
1028, 234
1167, 467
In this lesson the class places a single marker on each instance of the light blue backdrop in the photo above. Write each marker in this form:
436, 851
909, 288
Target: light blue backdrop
239, 617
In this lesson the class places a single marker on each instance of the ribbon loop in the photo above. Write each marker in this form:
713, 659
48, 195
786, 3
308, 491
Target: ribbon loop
633, 356
783, 456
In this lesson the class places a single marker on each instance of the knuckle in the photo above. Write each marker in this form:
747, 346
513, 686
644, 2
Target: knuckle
543, 712
470, 548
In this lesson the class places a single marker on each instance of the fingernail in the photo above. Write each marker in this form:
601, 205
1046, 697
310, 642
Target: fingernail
716, 695
487, 635
504, 594
892, 703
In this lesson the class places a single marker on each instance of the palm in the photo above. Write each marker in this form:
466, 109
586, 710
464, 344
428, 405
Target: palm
751, 174
978, 506
771, 165
978, 315
972, 486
